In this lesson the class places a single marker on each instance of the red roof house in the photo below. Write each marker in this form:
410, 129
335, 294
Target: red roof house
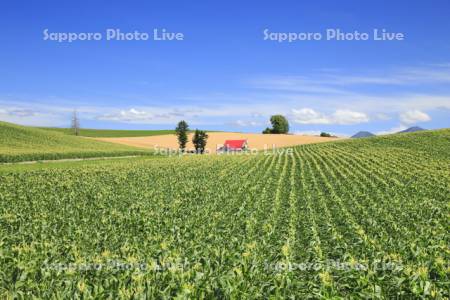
234, 145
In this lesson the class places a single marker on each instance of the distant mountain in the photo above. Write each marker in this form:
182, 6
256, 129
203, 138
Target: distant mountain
412, 129
362, 134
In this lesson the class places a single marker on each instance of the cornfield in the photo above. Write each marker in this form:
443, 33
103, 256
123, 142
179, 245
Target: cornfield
20, 143
362, 219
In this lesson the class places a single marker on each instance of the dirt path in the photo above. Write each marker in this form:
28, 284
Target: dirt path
66, 159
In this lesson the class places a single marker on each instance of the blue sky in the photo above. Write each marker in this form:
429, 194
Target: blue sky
224, 75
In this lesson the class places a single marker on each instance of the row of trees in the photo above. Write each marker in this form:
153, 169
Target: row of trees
199, 139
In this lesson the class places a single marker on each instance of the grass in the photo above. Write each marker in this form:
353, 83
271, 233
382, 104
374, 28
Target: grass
100, 133
351, 219
20, 143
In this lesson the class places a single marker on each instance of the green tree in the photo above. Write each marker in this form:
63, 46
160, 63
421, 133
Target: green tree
267, 131
280, 125
181, 131
199, 140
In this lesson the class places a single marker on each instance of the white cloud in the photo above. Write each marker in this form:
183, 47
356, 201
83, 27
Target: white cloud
407, 118
30, 116
149, 115
348, 117
381, 117
18, 112
338, 83
309, 116
295, 84
242, 123
339, 117
414, 116
334, 90
392, 130
126, 115
308, 132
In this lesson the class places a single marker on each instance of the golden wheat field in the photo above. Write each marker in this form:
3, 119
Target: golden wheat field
216, 139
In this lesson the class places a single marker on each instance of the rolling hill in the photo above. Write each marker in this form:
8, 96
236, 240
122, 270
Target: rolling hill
21, 143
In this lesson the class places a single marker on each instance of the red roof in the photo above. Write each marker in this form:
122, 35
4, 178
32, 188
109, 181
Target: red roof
235, 144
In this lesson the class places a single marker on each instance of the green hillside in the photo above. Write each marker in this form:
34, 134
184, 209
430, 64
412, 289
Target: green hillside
109, 132
353, 219
20, 143
427, 143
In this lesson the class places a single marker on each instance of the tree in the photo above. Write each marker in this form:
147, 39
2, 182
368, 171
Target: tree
279, 125
75, 123
267, 131
325, 134
199, 140
181, 131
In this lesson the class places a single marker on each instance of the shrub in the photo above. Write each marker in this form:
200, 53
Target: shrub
267, 131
